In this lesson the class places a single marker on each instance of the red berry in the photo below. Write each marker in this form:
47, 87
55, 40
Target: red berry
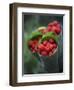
45, 42
51, 46
49, 28
48, 44
54, 28
35, 41
41, 47
47, 49
36, 49
58, 30
55, 45
51, 41
58, 25
33, 45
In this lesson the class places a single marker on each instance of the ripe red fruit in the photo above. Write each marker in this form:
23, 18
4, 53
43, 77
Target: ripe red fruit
48, 44
33, 45
35, 41
55, 45
59, 25
51, 41
44, 53
45, 42
33, 49
51, 46
49, 28
41, 47
54, 28
36, 49
47, 49
58, 30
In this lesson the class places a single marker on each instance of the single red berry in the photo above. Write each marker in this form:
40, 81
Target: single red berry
58, 30
59, 25
47, 49
35, 41
54, 28
33, 45
45, 42
51, 41
51, 46
36, 49
41, 46
48, 44
55, 45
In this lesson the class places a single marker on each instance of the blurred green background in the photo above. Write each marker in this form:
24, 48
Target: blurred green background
31, 63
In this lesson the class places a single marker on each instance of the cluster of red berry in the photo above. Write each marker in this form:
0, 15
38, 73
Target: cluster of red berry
47, 47
54, 27
33, 45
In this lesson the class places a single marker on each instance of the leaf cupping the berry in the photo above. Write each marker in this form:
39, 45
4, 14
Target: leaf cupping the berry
49, 35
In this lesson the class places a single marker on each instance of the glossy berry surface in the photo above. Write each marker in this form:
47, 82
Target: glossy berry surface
32, 45
55, 26
47, 47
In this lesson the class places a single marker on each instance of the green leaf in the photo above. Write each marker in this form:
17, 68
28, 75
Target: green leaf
48, 36
35, 35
